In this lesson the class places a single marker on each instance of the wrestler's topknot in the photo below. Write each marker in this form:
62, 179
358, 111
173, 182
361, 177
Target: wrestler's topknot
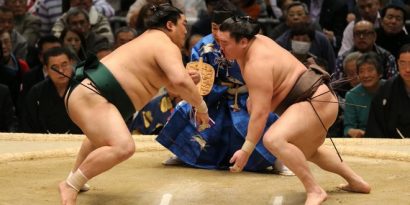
158, 14
241, 27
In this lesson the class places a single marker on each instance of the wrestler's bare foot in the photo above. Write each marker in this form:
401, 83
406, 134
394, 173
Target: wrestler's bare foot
67, 194
316, 197
358, 186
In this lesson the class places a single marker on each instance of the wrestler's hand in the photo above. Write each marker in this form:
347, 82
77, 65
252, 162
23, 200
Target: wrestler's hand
202, 120
196, 77
240, 158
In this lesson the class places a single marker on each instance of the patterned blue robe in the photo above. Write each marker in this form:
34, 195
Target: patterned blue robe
213, 147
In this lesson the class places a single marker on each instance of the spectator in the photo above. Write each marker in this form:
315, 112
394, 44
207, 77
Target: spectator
358, 99
304, 42
50, 10
352, 80
189, 44
124, 35
364, 41
97, 23
103, 50
77, 19
25, 23
75, 41
369, 11
38, 72
391, 35
18, 41
11, 67
8, 122
44, 110
203, 25
331, 16
389, 116
296, 13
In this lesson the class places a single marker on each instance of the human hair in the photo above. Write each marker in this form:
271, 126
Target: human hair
370, 58
351, 57
81, 54
125, 29
57, 51
298, 3
396, 7
74, 11
404, 49
240, 27
222, 10
46, 39
303, 29
157, 16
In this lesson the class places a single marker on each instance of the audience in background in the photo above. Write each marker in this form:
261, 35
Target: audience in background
124, 35
44, 108
304, 43
358, 99
12, 68
84, 17
8, 122
389, 116
364, 36
75, 41
25, 23
391, 35
18, 42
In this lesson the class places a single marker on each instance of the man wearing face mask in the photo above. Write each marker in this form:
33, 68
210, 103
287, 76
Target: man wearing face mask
308, 44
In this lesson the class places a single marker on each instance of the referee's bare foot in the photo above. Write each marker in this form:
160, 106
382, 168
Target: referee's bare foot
68, 195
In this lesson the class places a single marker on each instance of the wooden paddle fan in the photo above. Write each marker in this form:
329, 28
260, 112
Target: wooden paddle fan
207, 74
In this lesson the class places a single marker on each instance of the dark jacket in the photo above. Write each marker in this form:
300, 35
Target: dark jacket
389, 112
44, 111
8, 119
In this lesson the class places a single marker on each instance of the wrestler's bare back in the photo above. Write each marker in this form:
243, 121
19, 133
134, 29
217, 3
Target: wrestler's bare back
136, 67
264, 53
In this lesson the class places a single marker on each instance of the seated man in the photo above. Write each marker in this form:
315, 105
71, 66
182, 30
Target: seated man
44, 110
389, 116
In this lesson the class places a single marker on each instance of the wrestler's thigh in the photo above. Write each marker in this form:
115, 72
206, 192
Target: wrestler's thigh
300, 125
99, 120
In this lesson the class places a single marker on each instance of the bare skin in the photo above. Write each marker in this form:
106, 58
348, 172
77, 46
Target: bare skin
270, 72
141, 68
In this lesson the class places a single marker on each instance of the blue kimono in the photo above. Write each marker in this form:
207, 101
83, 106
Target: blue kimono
152, 117
213, 147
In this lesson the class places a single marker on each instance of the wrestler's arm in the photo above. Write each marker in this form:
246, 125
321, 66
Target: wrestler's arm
260, 86
258, 78
180, 81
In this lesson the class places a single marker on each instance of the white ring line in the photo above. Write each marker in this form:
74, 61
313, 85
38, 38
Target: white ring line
278, 200
166, 198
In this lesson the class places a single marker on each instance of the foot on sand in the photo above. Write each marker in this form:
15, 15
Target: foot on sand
316, 198
67, 194
359, 187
